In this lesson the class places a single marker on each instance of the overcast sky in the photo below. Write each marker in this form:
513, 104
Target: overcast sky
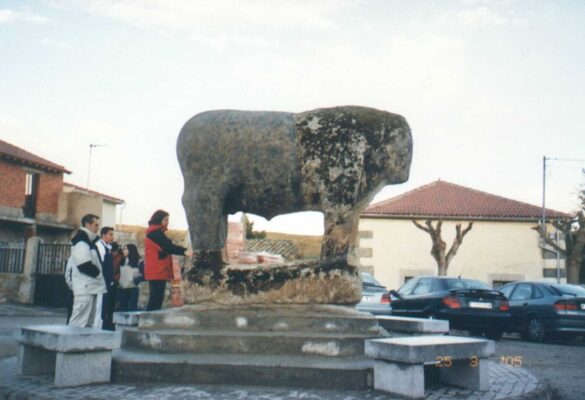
488, 87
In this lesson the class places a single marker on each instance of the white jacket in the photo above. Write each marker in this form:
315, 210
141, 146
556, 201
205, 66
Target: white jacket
81, 253
127, 276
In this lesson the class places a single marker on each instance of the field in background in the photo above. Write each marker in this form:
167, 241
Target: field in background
309, 246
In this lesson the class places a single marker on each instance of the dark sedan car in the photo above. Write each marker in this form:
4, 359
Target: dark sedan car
540, 309
466, 303
375, 297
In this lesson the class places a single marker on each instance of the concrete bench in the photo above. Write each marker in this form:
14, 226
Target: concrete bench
399, 365
76, 356
409, 326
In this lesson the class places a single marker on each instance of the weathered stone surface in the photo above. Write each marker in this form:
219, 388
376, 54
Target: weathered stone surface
332, 160
306, 282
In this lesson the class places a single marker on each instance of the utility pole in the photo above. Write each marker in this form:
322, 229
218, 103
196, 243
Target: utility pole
543, 221
91, 146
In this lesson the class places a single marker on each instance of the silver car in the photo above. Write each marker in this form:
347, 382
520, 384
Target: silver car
375, 297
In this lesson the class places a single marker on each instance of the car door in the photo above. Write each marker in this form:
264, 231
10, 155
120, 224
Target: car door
519, 305
400, 305
420, 299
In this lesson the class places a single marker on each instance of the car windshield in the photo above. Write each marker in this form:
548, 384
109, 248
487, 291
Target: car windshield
571, 290
369, 280
465, 284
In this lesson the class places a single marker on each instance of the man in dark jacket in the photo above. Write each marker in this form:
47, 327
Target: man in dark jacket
104, 248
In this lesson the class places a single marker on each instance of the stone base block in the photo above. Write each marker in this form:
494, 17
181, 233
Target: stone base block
69, 369
75, 369
407, 380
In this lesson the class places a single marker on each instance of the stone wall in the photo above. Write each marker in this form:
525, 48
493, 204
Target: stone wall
9, 285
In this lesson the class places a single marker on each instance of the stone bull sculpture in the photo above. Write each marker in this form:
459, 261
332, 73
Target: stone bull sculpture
332, 160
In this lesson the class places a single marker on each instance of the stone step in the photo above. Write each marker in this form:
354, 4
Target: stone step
263, 319
243, 369
227, 342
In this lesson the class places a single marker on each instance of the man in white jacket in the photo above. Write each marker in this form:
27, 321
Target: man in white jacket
83, 275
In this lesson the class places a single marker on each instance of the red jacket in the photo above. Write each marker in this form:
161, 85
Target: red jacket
158, 264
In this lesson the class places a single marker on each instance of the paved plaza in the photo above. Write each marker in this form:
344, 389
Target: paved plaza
505, 382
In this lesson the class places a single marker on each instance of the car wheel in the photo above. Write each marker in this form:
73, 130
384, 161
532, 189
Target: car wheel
535, 330
494, 334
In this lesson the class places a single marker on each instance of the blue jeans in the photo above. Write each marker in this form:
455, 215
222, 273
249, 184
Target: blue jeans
128, 299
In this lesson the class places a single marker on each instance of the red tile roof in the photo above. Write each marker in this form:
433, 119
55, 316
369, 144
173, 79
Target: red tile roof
442, 199
11, 152
84, 190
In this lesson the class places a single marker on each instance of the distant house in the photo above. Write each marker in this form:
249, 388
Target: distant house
500, 248
34, 200
75, 200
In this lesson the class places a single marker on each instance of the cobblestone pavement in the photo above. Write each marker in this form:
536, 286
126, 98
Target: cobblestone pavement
505, 382
558, 363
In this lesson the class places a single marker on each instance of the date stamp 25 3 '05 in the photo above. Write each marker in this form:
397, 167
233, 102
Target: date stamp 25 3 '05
447, 361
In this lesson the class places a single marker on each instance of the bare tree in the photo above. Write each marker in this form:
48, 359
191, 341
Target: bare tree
573, 231
439, 249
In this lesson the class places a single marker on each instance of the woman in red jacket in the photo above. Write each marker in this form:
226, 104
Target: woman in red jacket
158, 264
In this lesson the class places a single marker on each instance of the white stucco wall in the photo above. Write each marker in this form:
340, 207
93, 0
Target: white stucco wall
490, 251
108, 214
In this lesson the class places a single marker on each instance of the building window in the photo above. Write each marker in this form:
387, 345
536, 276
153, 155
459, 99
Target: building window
499, 284
28, 188
31, 189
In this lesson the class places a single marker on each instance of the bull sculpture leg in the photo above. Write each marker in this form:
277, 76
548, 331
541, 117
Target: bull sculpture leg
340, 235
208, 230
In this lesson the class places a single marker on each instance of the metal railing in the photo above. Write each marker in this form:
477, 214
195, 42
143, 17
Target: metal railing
52, 258
12, 257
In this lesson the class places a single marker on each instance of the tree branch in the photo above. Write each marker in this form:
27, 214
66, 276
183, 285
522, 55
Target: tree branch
458, 240
419, 226
549, 241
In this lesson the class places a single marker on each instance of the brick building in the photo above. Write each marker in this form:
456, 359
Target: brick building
34, 199
29, 195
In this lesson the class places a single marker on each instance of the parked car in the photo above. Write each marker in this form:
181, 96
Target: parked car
541, 309
375, 297
467, 304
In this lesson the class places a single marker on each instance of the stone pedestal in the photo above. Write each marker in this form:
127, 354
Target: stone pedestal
303, 282
315, 346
